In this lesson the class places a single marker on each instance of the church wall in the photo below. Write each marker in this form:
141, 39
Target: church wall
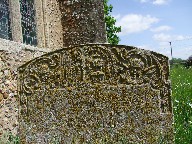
53, 26
57, 25
12, 55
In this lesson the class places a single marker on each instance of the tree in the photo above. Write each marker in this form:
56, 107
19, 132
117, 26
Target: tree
110, 21
176, 60
188, 62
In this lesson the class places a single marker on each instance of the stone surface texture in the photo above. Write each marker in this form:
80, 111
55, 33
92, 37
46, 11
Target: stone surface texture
52, 33
12, 55
90, 92
61, 23
95, 92
15, 20
82, 21
70, 22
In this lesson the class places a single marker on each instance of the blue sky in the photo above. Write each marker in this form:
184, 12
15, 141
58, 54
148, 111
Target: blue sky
152, 24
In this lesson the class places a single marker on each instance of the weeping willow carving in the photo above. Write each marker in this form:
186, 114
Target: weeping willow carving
91, 92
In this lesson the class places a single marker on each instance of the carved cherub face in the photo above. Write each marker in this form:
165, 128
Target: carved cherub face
137, 63
96, 65
136, 70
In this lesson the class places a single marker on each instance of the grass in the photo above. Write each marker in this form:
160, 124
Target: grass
181, 81
8, 138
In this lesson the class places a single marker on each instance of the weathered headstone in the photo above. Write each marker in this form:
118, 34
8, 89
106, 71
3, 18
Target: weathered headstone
95, 92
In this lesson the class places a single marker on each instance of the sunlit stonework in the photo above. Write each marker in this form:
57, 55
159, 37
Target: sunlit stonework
72, 87
91, 91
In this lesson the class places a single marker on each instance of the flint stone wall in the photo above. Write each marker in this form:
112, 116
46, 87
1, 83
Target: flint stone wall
62, 23
12, 55
95, 92
82, 21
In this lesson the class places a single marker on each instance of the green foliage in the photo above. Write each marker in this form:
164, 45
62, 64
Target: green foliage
176, 60
110, 21
181, 81
188, 62
8, 138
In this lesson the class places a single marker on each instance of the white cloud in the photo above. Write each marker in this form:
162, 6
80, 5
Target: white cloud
161, 28
117, 16
144, 1
157, 49
160, 2
162, 37
189, 48
134, 23
180, 50
146, 47
166, 37
155, 2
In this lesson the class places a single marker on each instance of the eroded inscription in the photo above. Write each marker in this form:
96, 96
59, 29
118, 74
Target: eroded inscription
91, 92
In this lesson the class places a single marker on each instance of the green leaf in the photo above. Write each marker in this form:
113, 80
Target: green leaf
110, 21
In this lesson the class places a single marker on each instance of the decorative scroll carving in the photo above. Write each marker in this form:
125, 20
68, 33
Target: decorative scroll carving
5, 29
91, 91
28, 22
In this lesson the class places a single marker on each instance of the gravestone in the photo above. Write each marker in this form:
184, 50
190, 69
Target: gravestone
94, 93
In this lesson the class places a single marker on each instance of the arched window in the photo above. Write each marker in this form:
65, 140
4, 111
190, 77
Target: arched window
5, 29
28, 22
